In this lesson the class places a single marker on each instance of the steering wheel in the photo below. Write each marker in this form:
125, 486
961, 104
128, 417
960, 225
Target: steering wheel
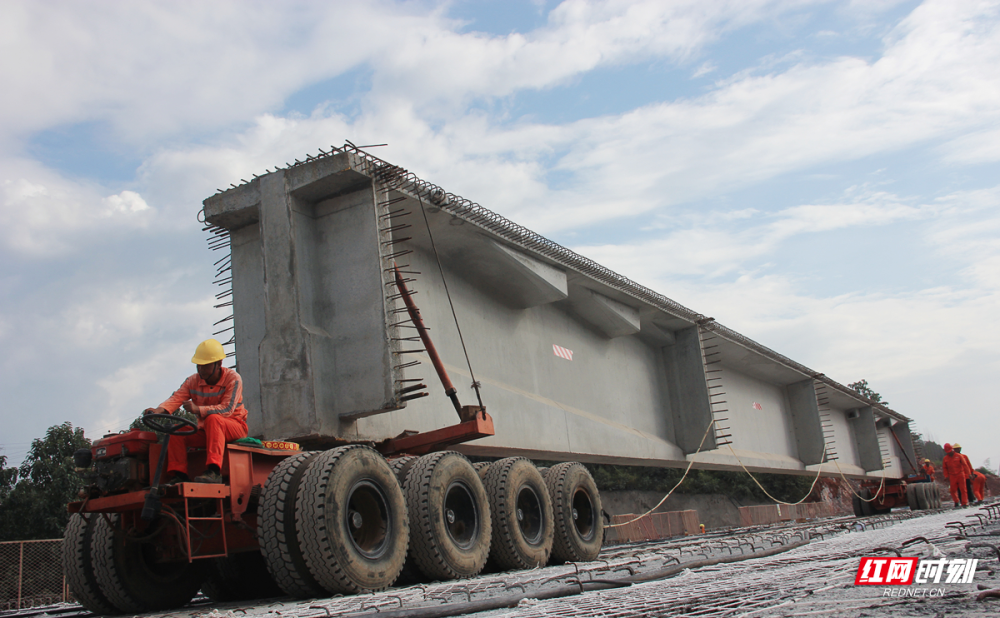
156, 423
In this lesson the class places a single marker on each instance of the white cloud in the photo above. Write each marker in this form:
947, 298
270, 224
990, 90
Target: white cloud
45, 214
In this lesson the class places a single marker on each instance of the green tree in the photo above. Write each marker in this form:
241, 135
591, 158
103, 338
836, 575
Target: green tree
861, 386
35, 506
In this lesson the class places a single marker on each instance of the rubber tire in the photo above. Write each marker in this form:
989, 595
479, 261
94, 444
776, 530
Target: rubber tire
856, 505
279, 541
923, 500
866, 506
911, 496
543, 471
565, 481
510, 548
127, 577
937, 495
322, 506
481, 468
239, 577
401, 467
78, 565
435, 553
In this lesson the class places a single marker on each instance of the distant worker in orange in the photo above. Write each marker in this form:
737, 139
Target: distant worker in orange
970, 471
954, 469
215, 396
979, 486
929, 470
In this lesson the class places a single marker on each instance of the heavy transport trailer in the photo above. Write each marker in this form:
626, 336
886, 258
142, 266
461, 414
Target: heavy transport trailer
352, 518
877, 498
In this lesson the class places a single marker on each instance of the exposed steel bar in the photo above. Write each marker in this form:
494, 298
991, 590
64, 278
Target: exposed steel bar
411, 308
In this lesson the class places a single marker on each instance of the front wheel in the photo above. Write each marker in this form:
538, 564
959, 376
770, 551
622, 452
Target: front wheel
131, 577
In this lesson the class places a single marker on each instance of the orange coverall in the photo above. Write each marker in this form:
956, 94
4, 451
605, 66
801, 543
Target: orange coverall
226, 418
970, 472
929, 471
955, 471
979, 485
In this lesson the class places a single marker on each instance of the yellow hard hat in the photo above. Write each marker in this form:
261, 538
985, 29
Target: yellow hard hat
927, 461
209, 351
956, 446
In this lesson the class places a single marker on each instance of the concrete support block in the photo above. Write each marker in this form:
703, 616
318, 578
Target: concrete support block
902, 432
612, 318
527, 282
688, 391
862, 423
806, 421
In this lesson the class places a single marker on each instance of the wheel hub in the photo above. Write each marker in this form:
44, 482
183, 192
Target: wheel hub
461, 515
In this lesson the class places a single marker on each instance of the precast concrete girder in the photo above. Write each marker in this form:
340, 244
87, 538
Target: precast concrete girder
574, 361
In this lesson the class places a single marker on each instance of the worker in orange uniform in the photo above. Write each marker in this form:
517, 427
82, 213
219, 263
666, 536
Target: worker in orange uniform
954, 469
215, 396
929, 471
979, 486
970, 471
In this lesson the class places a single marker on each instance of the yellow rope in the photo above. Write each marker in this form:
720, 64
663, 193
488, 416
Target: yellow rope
690, 463
881, 484
815, 480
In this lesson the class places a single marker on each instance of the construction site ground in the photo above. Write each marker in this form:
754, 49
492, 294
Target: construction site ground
795, 569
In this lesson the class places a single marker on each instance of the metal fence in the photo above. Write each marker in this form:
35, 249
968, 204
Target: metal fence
31, 574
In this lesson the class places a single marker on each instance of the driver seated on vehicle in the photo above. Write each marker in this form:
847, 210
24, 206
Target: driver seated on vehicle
215, 396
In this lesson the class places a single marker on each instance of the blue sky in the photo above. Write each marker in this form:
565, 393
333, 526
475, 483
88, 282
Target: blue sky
820, 176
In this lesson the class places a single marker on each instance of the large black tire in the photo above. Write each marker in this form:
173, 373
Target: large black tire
521, 510
937, 495
401, 467
450, 529
481, 468
279, 541
129, 576
911, 496
866, 504
353, 525
239, 577
576, 508
856, 505
78, 565
923, 497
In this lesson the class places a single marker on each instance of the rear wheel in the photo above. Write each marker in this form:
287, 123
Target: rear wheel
856, 505
521, 511
923, 498
279, 541
866, 503
239, 577
911, 497
401, 467
78, 565
481, 468
130, 576
449, 516
576, 505
353, 526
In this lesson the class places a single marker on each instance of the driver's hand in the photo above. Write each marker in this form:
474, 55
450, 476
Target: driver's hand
154, 411
191, 407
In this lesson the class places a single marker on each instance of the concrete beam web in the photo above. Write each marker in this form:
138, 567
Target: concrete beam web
806, 421
862, 422
688, 389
